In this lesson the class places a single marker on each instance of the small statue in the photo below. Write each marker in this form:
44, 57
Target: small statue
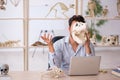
118, 7
55, 72
10, 43
91, 7
15, 2
2, 3
63, 9
105, 11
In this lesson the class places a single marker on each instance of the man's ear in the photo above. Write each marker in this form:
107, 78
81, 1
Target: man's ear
69, 28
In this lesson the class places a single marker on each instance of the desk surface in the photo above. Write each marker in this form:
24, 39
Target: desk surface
33, 75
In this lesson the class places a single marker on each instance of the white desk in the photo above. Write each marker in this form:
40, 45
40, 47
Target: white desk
33, 75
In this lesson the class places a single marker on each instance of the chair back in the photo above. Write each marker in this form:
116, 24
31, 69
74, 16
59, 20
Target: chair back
56, 38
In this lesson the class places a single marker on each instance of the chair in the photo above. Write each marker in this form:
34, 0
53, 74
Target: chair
54, 39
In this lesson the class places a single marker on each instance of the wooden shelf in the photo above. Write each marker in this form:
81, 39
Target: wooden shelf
48, 18
12, 47
11, 18
106, 46
103, 18
41, 46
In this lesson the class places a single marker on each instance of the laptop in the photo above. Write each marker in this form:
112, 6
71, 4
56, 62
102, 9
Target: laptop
84, 65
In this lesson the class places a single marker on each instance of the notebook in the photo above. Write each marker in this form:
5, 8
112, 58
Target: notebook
84, 65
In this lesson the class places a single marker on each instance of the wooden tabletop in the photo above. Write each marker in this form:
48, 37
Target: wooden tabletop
36, 75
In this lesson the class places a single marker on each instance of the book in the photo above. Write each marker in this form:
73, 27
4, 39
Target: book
116, 72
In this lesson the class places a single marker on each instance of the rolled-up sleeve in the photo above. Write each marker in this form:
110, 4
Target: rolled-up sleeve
51, 59
92, 50
56, 57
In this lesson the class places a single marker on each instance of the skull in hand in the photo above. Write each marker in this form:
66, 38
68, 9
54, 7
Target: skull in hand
79, 32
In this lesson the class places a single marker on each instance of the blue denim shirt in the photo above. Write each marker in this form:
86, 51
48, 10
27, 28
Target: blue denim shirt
64, 51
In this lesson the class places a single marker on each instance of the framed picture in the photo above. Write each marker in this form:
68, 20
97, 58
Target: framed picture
11, 8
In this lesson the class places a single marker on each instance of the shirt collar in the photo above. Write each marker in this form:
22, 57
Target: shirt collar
67, 39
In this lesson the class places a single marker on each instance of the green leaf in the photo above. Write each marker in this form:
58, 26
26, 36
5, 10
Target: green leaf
100, 22
93, 31
87, 12
99, 37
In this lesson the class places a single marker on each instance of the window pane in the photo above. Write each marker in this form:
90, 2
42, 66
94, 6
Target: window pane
11, 30
103, 3
54, 27
13, 57
38, 58
13, 9
52, 8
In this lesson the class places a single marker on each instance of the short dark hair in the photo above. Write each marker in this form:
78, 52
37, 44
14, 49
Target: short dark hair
78, 18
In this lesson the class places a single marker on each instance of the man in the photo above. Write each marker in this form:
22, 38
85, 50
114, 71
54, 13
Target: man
62, 50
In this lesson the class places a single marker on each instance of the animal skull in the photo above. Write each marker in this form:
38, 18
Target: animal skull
79, 32
55, 72
110, 40
4, 69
